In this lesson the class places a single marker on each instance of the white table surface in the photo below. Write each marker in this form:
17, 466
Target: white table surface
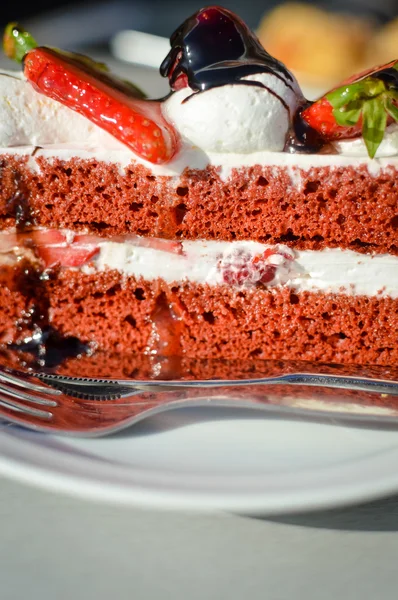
58, 547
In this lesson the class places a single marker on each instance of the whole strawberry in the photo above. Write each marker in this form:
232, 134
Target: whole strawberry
87, 88
362, 105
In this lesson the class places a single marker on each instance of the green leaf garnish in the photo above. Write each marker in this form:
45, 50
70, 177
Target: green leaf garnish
374, 124
391, 109
17, 42
348, 117
370, 98
341, 96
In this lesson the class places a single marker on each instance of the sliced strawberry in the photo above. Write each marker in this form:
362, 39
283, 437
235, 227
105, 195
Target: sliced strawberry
157, 244
32, 238
367, 72
45, 237
84, 86
177, 78
52, 246
180, 82
55, 247
137, 123
362, 105
86, 239
68, 249
66, 256
320, 116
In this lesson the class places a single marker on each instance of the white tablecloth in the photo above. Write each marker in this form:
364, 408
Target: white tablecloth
59, 548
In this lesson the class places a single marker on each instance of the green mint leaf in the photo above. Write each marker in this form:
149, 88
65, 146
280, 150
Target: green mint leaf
373, 124
347, 100
348, 115
341, 96
391, 109
17, 42
347, 118
393, 94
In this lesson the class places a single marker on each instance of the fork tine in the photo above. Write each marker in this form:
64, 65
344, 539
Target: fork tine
12, 408
20, 395
27, 384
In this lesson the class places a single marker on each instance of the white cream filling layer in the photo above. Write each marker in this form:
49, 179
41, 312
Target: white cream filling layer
195, 159
240, 264
328, 270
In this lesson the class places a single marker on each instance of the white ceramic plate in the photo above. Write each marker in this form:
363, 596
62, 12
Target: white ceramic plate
203, 459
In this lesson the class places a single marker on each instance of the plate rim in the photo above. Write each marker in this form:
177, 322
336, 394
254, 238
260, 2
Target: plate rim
91, 488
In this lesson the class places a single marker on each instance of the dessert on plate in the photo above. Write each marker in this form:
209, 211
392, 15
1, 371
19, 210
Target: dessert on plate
232, 219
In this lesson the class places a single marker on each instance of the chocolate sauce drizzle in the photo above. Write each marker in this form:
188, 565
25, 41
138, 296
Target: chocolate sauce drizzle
214, 47
302, 138
17, 205
46, 346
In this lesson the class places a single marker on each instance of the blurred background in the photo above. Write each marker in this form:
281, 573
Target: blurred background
322, 42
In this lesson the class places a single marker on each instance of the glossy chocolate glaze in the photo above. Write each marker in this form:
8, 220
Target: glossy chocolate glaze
46, 346
302, 138
214, 48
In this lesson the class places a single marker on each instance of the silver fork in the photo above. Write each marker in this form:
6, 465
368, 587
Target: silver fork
89, 408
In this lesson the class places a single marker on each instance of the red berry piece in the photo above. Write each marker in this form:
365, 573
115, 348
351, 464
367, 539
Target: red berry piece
362, 105
86, 87
66, 256
241, 268
157, 244
54, 248
235, 268
138, 123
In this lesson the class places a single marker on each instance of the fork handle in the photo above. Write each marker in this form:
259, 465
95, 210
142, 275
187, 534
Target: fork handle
107, 390
338, 382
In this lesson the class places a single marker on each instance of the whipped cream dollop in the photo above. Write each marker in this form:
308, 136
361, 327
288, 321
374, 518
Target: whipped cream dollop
236, 118
30, 118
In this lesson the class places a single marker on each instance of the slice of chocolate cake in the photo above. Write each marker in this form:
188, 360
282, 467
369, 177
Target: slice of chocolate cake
227, 221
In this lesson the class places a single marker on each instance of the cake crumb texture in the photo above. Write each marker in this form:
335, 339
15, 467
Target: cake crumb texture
128, 315
343, 207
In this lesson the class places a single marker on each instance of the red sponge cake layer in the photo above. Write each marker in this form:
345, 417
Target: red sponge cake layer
344, 207
128, 315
